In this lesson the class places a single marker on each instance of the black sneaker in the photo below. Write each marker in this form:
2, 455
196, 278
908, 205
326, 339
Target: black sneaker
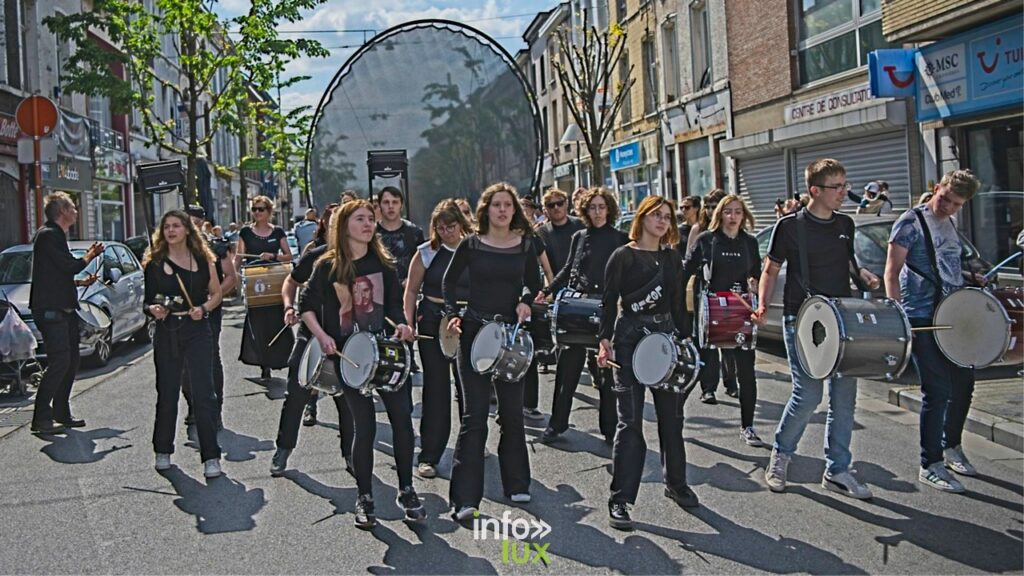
410, 502
686, 499
190, 418
732, 392
550, 435
265, 374
309, 415
618, 516
48, 427
365, 518
279, 463
708, 398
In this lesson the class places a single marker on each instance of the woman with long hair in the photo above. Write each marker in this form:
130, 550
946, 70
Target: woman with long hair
589, 251
354, 256
426, 273
504, 276
263, 243
181, 288
710, 201
726, 258
643, 292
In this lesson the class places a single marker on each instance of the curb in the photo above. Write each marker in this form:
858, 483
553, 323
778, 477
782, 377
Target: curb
995, 428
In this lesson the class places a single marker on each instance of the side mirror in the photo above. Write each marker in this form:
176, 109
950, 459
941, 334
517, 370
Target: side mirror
113, 275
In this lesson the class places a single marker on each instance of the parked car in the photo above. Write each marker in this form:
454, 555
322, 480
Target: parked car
119, 292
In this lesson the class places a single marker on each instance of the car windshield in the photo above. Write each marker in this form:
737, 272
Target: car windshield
16, 267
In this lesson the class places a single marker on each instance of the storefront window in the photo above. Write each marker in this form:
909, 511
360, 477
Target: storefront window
837, 35
699, 174
996, 213
109, 211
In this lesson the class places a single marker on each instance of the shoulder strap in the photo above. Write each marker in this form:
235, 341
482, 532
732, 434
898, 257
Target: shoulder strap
801, 239
929, 247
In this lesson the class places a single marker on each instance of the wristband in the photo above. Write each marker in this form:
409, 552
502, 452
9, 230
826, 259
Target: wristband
287, 308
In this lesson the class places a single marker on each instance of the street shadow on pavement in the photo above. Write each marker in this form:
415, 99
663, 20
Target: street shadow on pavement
987, 550
756, 550
237, 447
220, 505
80, 446
766, 410
343, 499
431, 555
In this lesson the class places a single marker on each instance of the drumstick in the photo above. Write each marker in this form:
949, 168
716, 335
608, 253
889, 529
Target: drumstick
184, 291
929, 328
424, 337
278, 335
613, 364
746, 305
346, 359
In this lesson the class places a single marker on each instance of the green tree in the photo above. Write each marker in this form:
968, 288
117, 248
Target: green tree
210, 75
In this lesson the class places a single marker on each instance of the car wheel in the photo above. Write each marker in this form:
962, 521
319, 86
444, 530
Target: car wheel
104, 346
145, 334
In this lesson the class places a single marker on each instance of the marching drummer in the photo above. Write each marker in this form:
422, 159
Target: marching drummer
262, 242
643, 291
504, 275
583, 271
923, 265
817, 239
726, 258
355, 256
426, 274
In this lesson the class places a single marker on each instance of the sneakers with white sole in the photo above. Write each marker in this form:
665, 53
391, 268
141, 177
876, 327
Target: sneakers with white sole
844, 483
751, 437
426, 470
464, 513
163, 462
775, 473
939, 478
520, 498
956, 461
211, 468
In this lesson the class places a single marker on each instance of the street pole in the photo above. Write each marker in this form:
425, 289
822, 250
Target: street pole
578, 180
38, 168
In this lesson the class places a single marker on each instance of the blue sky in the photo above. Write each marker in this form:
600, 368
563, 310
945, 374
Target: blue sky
504, 20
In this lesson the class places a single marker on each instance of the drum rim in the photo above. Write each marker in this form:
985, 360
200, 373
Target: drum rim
1006, 339
472, 362
529, 357
301, 369
374, 364
406, 369
908, 339
704, 320
443, 333
801, 357
673, 361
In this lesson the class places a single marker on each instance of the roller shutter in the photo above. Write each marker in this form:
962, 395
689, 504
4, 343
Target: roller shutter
760, 181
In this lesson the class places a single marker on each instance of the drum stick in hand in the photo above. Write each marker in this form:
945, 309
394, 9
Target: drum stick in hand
279, 332
346, 359
930, 328
613, 364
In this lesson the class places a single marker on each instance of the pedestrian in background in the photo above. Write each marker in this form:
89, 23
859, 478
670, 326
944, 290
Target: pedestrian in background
305, 229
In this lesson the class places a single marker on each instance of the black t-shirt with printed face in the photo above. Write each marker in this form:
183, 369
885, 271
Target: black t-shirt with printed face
829, 253
374, 295
402, 244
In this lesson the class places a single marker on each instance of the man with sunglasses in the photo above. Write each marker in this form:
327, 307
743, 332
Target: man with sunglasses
691, 209
557, 231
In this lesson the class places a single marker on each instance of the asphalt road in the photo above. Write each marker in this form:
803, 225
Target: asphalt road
90, 502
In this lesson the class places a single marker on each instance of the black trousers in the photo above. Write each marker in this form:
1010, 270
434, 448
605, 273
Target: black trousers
742, 367
178, 338
630, 449
364, 416
60, 336
296, 398
531, 386
718, 364
436, 417
216, 318
567, 377
467, 485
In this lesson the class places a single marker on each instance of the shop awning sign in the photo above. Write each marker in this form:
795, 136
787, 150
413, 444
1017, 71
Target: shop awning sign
625, 156
892, 73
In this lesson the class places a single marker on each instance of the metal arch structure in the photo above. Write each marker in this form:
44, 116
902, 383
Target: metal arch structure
526, 149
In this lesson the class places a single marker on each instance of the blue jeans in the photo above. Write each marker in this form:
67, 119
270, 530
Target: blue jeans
807, 391
946, 389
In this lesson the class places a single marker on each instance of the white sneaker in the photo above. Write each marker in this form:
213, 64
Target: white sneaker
520, 498
844, 483
163, 462
751, 437
956, 461
211, 468
939, 478
465, 513
426, 470
775, 473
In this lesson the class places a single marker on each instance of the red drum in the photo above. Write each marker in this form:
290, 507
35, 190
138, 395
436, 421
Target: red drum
725, 321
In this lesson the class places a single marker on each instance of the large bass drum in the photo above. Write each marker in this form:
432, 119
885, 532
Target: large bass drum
317, 372
374, 363
852, 337
664, 363
501, 350
724, 321
981, 332
575, 319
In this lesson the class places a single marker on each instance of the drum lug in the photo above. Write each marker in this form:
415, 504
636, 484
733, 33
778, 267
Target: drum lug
890, 360
847, 338
888, 376
901, 339
646, 331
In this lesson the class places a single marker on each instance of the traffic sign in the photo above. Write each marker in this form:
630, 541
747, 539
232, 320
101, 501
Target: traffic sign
37, 116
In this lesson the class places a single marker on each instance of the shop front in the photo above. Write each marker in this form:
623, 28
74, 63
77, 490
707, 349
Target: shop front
636, 171
694, 132
73, 176
110, 185
13, 229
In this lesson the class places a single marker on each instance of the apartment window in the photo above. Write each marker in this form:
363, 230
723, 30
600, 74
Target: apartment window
700, 44
837, 35
650, 63
99, 110
601, 20
626, 110
543, 74
620, 10
10, 44
64, 51
544, 128
556, 133
670, 47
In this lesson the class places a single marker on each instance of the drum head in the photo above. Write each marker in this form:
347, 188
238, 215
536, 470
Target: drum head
981, 328
487, 347
703, 321
308, 363
94, 316
654, 359
819, 337
360, 348
448, 339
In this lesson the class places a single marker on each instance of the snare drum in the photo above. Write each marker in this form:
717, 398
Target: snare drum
261, 283
575, 318
539, 326
725, 321
381, 363
852, 337
501, 350
664, 363
317, 372
448, 339
93, 322
982, 331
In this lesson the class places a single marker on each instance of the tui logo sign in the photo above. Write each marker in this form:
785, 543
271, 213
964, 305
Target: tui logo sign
892, 73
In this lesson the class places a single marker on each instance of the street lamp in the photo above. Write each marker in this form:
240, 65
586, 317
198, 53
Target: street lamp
573, 134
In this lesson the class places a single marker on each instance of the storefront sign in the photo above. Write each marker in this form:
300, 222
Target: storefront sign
111, 164
830, 104
972, 72
68, 174
563, 170
625, 156
8, 130
891, 72
700, 117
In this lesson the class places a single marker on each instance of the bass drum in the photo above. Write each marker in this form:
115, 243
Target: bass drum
576, 318
501, 350
374, 363
982, 331
317, 372
853, 338
539, 326
662, 362
724, 321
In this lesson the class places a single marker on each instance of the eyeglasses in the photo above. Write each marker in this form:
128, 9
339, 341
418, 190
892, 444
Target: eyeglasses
687, 207
597, 208
443, 229
259, 208
555, 204
845, 186
661, 216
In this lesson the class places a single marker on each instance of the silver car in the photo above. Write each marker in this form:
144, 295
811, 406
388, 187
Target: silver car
119, 292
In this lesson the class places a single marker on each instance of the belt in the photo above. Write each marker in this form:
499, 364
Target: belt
657, 318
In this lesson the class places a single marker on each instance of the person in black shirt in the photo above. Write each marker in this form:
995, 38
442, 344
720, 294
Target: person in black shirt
355, 255
181, 290
426, 273
557, 231
583, 272
644, 277
296, 396
53, 300
726, 258
504, 275
400, 236
829, 259
691, 210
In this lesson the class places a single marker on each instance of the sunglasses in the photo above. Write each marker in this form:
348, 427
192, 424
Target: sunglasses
555, 204
259, 208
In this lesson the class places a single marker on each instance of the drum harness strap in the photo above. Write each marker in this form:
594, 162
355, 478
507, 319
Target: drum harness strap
935, 279
666, 279
805, 280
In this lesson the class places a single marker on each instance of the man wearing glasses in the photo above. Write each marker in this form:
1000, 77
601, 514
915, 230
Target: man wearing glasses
557, 231
691, 208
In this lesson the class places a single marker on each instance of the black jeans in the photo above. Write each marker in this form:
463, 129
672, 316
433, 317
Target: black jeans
216, 318
742, 367
946, 391
60, 337
296, 398
364, 416
467, 485
567, 378
178, 338
531, 386
718, 365
630, 449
